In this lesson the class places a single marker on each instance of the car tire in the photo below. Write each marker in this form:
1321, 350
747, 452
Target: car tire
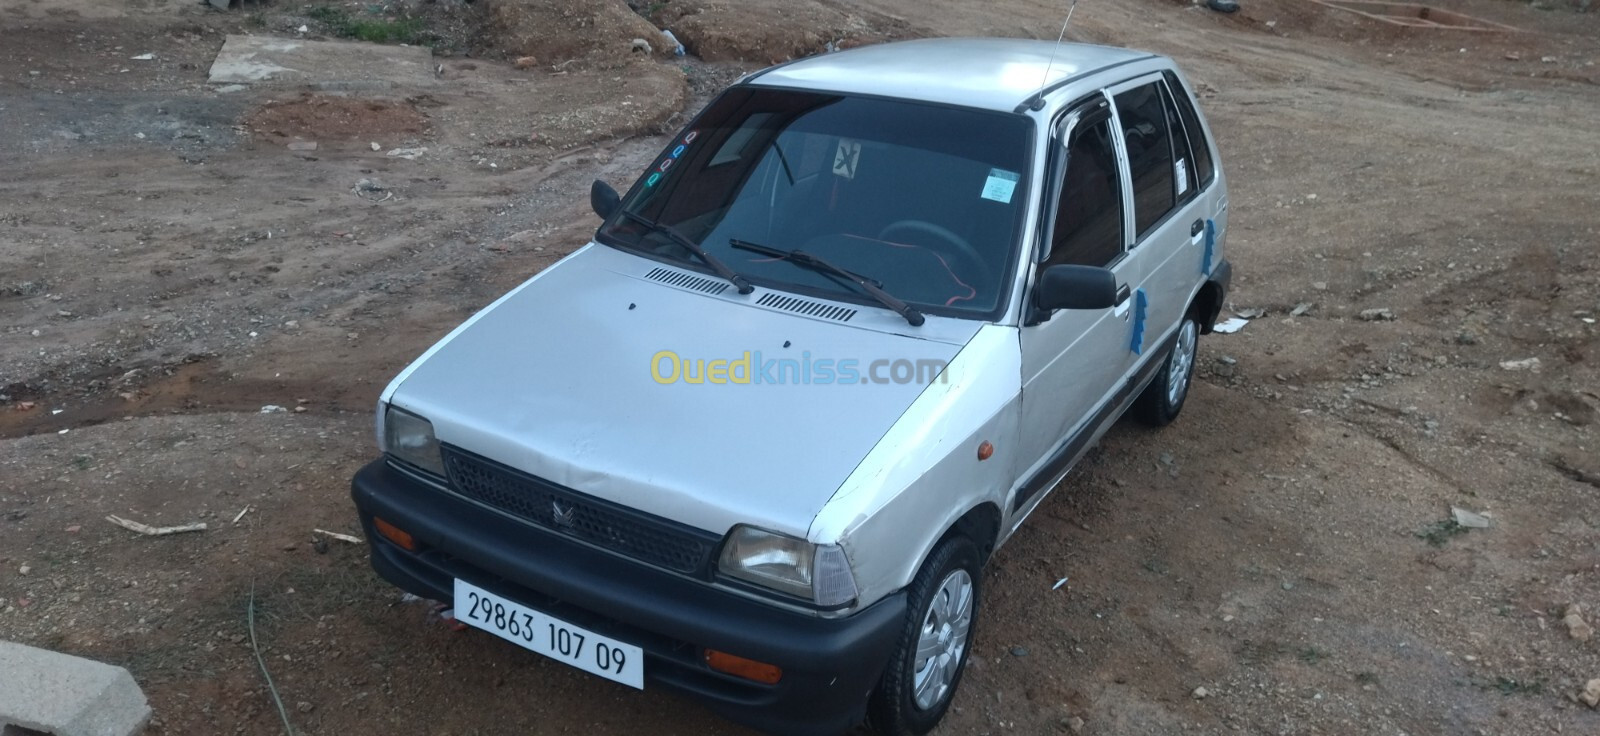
1164, 397
942, 606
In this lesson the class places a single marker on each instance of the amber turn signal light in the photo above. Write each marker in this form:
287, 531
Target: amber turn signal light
749, 669
394, 534
985, 450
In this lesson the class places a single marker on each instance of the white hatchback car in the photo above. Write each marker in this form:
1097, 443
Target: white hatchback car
654, 460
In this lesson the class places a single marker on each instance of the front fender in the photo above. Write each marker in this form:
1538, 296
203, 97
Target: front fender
924, 474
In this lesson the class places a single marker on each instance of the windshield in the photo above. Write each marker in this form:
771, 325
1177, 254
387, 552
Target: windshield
923, 201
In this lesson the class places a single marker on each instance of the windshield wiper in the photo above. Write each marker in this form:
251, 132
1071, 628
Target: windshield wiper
806, 260
714, 262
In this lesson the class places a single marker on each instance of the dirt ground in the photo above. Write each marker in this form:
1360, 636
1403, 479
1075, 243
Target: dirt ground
1281, 560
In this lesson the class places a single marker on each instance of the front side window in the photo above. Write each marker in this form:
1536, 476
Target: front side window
1088, 222
924, 201
1150, 161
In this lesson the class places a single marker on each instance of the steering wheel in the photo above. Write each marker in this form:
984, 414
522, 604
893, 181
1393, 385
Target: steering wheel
976, 268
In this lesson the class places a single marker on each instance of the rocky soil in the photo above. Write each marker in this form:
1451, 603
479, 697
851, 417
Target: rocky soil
1414, 236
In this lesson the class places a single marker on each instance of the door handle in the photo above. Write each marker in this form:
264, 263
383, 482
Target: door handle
1123, 292
1198, 227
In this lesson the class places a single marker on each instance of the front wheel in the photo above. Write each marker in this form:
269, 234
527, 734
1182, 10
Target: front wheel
927, 663
1163, 398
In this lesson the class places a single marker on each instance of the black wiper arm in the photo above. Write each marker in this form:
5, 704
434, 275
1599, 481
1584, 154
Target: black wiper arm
714, 262
805, 259
802, 258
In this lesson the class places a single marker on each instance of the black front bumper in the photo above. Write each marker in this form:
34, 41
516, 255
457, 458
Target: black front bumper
829, 665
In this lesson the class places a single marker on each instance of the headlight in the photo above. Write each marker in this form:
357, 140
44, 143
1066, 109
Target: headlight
818, 573
409, 438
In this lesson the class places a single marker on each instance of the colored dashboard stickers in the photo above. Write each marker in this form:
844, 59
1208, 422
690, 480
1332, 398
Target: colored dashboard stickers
671, 158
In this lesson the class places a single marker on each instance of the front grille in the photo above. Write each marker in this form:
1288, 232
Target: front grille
650, 539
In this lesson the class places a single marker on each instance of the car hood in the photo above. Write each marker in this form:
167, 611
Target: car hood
555, 379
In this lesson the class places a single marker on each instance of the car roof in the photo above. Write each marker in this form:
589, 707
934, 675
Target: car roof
992, 73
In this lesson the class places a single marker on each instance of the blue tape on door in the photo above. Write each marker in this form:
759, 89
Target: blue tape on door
1211, 247
1140, 303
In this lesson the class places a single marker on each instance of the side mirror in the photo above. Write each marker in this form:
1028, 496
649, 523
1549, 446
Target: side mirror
1075, 287
603, 199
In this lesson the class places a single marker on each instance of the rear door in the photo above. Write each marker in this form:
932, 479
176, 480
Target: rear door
1172, 183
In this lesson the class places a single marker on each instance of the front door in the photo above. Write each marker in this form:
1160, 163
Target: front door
1074, 361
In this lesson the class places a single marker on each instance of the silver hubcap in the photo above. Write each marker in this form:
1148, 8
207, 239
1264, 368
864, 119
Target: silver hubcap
943, 639
1181, 362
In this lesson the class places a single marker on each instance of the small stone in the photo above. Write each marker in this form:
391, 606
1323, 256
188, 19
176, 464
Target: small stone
640, 44
1227, 359
24, 570
1591, 693
525, 62
1525, 364
1300, 309
1019, 651
1547, 59
304, 707
1577, 628
1075, 724
1377, 315
302, 145
1200, 693
74, 529
375, 146
1319, 285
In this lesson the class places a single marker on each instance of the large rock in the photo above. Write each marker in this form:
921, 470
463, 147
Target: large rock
54, 693
770, 31
560, 32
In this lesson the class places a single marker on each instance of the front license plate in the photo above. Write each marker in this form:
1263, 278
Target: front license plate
550, 636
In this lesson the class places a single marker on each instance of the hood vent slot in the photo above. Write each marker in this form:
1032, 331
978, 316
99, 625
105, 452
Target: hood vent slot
806, 307
687, 281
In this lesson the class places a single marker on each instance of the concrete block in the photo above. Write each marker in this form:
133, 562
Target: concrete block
324, 64
62, 695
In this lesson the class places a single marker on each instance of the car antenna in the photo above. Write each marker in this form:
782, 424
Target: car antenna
1038, 99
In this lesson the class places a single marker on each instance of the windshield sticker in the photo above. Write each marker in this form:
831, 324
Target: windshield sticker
1000, 185
845, 160
693, 134
1182, 167
653, 179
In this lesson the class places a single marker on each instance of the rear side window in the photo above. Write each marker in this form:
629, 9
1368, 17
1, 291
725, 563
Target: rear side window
1088, 227
1203, 168
1150, 168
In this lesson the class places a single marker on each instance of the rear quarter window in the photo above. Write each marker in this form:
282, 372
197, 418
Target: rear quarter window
1204, 167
